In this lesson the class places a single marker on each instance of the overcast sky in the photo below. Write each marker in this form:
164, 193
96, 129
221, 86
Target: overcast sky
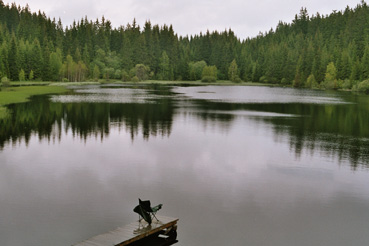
245, 17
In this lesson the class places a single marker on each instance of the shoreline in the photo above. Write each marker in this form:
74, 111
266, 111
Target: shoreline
19, 92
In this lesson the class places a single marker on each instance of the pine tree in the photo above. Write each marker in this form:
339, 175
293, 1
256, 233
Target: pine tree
36, 60
365, 64
355, 71
12, 60
46, 70
298, 81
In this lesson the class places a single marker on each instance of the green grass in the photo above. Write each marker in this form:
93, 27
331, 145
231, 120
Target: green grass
20, 94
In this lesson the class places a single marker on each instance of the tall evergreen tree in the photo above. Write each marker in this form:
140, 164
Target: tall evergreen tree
13, 60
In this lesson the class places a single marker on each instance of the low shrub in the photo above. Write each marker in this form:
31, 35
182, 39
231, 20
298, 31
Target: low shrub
125, 76
5, 81
311, 82
135, 79
263, 79
208, 79
363, 86
237, 80
330, 84
347, 84
284, 81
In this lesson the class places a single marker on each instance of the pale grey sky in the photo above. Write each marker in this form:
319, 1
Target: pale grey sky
245, 17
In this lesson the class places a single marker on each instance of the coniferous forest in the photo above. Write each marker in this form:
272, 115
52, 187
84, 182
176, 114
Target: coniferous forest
319, 51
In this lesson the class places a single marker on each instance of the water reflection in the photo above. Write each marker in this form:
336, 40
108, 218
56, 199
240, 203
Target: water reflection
337, 130
258, 173
332, 124
48, 119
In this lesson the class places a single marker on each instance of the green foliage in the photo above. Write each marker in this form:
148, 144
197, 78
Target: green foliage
298, 81
266, 79
55, 64
135, 79
118, 74
233, 72
31, 75
311, 82
96, 73
330, 81
36, 59
22, 76
208, 79
141, 72
13, 60
5, 81
209, 74
125, 76
290, 53
347, 84
196, 69
363, 86
108, 73
284, 81
165, 71
73, 71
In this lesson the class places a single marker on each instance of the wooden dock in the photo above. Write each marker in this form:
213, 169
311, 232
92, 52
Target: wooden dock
133, 232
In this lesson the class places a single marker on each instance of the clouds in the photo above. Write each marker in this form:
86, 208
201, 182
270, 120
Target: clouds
246, 18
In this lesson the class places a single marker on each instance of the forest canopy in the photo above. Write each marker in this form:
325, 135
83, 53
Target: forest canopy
329, 51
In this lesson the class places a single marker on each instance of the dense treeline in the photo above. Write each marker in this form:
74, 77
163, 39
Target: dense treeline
314, 51
330, 51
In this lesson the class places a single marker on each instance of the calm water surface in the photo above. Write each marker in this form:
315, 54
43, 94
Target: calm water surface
237, 165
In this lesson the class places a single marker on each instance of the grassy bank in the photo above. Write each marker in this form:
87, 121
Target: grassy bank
20, 94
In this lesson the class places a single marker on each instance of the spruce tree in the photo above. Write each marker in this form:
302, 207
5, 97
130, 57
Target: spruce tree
365, 64
36, 60
12, 60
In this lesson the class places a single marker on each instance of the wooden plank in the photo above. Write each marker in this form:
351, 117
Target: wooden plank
131, 233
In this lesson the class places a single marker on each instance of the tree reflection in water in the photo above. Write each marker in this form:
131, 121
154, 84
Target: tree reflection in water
338, 130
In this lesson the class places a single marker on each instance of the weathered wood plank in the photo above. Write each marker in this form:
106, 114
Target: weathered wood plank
131, 233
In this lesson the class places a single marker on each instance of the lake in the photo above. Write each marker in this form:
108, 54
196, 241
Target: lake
237, 165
